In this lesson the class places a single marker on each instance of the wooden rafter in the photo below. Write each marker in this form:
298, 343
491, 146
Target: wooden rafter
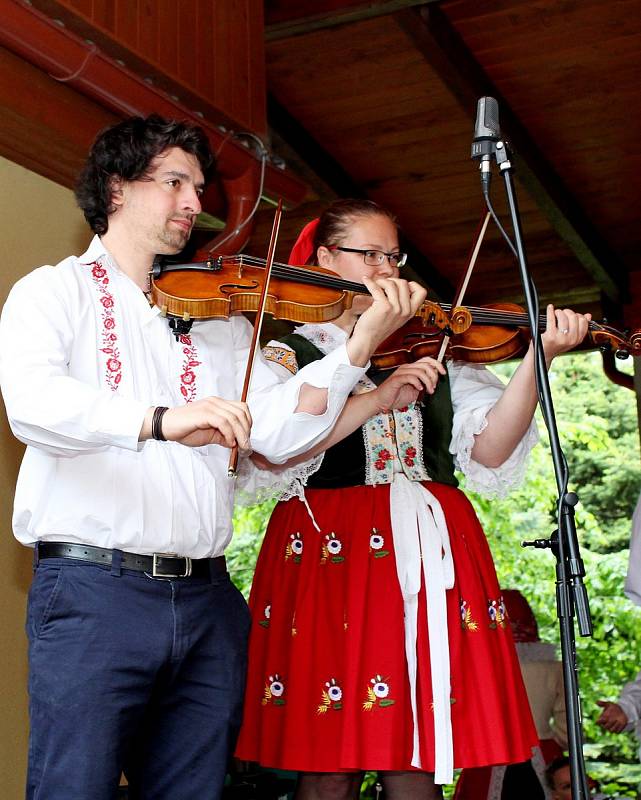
431, 32
286, 21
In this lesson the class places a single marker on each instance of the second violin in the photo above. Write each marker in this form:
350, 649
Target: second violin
484, 335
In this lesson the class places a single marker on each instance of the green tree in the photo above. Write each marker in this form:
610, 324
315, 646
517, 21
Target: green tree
598, 429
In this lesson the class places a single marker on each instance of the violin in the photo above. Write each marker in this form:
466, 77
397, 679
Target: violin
485, 335
225, 285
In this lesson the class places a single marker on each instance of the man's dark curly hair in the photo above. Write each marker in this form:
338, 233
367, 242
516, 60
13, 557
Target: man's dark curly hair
125, 151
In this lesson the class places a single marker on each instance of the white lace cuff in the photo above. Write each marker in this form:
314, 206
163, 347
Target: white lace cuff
255, 485
489, 481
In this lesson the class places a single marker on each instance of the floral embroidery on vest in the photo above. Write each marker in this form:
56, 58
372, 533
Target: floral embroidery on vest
467, 622
280, 355
108, 335
378, 694
379, 447
330, 550
408, 423
496, 612
190, 361
274, 690
331, 697
393, 440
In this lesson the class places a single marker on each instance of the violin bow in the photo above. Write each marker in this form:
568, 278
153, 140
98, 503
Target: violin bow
464, 284
258, 324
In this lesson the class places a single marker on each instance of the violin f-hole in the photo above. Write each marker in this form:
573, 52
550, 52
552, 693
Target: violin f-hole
227, 288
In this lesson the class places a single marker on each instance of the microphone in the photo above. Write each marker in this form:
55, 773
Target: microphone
487, 133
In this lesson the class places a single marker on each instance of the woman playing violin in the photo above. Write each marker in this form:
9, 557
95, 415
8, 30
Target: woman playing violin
379, 639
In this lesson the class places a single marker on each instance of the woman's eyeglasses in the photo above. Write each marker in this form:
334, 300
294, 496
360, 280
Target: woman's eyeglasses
374, 258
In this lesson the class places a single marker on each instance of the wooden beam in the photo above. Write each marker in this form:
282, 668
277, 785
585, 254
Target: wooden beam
90, 72
332, 175
284, 20
183, 49
444, 50
39, 122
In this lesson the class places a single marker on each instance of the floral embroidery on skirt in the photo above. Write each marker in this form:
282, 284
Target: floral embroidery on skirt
335, 643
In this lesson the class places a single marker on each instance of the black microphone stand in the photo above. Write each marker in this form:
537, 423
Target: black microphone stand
571, 595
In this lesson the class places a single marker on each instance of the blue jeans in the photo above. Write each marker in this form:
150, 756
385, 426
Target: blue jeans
135, 674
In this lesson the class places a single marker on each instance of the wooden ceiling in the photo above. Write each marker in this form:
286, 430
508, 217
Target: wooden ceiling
379, 99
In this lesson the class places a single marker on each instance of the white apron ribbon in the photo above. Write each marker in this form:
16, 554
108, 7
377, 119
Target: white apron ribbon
421, 537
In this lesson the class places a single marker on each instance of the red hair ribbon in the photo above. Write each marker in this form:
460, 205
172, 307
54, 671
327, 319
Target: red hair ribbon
303, 250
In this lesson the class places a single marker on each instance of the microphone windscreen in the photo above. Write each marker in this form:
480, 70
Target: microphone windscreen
487, 119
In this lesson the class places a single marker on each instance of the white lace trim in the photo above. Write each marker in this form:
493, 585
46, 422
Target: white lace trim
489, 481
296, 487
254, 485
495, 789
539, 765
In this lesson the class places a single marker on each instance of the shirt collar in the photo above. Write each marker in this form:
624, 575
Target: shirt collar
98, 252
94, 252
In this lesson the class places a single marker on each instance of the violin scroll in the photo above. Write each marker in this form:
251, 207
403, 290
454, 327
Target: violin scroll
607, 338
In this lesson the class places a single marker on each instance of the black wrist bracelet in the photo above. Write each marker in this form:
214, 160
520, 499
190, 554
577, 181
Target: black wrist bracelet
156, 423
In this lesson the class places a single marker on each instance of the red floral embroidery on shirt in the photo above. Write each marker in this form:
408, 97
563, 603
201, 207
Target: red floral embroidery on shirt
188, 376
107, 336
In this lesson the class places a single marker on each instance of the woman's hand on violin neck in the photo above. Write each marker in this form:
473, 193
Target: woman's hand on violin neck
407, 383
395, 301
209, 421
565, 329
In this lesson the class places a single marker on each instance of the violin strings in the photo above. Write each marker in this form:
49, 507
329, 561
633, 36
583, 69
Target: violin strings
309, 276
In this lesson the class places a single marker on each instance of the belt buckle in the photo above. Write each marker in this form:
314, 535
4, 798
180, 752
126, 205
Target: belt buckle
156, 566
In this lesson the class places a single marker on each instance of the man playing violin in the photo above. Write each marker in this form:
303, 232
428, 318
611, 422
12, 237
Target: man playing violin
137, 638
379, 639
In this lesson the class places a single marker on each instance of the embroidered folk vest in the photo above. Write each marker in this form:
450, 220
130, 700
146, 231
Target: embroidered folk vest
348, 462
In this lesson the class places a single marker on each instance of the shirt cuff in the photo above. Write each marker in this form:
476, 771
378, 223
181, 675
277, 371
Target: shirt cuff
630, 710
334, 371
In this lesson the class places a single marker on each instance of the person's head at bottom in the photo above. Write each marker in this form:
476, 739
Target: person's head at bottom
557, 775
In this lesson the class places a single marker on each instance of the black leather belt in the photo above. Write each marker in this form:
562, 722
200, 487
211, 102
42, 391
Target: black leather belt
158, 565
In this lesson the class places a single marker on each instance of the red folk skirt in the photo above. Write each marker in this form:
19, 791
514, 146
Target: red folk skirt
327, 687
